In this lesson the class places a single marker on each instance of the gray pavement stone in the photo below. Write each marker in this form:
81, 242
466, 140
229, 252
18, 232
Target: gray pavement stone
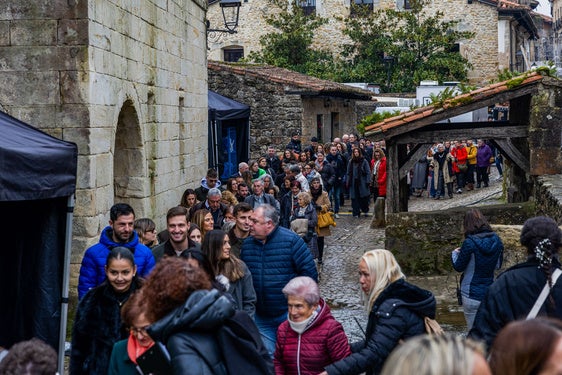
351, 237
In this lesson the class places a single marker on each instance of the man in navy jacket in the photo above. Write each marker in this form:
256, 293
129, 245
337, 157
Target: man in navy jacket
274, 255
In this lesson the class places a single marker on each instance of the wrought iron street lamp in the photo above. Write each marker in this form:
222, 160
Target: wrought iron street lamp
230, 13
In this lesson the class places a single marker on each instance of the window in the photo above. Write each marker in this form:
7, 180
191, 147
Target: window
233, 54
403, 4
308, 6
361, 6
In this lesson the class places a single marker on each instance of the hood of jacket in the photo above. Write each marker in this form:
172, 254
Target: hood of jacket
403, 294
106, 239
204, 183
204, 311
323, 314
488, 243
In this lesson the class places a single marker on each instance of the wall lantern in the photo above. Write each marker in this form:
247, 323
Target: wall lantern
230, 13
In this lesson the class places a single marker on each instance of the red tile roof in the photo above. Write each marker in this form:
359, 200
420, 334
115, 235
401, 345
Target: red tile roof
457, 101
307, 85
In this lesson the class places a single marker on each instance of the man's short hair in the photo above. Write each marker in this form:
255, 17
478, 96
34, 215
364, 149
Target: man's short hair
242, 165
241, 207
270, 213
259, 181
295, 168
30, 357
214, 192
212, 173
243, 184
120, 209
177, 211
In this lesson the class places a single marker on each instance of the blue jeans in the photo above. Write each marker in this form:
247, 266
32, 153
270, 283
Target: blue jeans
469, 307
268, 330
335, 192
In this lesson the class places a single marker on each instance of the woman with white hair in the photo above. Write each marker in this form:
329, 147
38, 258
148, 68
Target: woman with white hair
310, 338
442, 167
396, 312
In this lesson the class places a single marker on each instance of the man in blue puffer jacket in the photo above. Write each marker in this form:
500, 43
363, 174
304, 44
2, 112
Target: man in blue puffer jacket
120, 232
274, 255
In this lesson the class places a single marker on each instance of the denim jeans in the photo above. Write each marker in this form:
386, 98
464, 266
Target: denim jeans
268, 330
335, 192
470, 307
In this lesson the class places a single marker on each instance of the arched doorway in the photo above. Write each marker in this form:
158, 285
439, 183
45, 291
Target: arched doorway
128, 159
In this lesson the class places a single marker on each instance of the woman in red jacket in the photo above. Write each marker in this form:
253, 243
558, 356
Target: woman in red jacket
310, 339
378, 182
460, 164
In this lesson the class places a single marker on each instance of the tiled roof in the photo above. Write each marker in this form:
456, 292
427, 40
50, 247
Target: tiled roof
458, 101
299, 83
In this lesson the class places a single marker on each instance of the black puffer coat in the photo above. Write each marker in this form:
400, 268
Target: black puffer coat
206, 336
397, 314
512, 296
97, 327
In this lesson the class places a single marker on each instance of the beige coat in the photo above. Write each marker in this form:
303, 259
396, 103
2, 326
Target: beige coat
446, 176
323, 202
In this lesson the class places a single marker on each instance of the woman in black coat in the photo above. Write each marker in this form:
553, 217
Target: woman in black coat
97, 325
358, 180
396, 312
198, 324
514, 293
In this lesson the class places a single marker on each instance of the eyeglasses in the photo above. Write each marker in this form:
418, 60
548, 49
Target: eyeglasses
139, 330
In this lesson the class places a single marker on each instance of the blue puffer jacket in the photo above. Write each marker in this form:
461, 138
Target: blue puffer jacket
273, 264
397, 314
92, 270
480, 255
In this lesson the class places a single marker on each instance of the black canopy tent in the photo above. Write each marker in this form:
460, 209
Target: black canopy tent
37, 184
229, 134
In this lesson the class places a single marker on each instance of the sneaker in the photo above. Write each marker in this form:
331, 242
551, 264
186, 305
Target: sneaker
485, 184
459, 191
337, 216
499, 178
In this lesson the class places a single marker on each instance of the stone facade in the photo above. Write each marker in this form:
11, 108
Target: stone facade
279, 108
492, 47
125, 81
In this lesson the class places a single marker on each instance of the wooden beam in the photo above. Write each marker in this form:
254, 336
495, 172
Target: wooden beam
392, 178
490, 132
512, 153
443, 114
414, 156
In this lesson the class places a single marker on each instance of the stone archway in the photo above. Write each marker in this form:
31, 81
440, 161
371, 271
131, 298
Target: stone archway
128, 158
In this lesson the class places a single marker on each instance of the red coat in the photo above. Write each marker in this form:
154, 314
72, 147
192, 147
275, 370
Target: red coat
381, 176
321, 344
461, 155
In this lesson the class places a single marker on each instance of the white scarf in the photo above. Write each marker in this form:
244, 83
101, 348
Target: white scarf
300, 327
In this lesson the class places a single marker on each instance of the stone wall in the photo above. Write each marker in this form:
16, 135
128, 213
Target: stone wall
481, 51
274, 115
126, 81
548, 196
422, 241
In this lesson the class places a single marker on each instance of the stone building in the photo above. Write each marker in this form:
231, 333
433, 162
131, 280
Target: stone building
127, 82
283, 101
503, 30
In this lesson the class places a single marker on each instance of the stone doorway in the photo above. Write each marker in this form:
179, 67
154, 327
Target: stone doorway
128, 158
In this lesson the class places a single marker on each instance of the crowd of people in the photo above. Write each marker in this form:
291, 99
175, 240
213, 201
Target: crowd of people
454, 167
230, 286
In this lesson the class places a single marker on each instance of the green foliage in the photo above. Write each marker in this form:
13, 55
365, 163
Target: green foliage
422, 46
374, 118
449, 94
290, 45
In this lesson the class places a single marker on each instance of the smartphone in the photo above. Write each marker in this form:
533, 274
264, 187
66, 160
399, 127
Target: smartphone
156, 360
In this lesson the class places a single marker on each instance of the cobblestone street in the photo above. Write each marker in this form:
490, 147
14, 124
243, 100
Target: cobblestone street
353, 236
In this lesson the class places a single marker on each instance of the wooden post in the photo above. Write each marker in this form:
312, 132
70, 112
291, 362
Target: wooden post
392, 178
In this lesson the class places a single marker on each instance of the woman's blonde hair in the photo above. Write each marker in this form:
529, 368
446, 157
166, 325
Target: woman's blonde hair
383, 270
434, 355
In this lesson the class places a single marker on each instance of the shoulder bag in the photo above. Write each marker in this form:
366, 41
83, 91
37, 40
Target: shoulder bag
542, 297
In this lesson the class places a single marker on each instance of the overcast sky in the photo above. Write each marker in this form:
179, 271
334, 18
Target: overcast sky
544, 7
